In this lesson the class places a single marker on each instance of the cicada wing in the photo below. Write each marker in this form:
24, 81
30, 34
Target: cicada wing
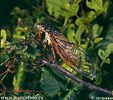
74, 56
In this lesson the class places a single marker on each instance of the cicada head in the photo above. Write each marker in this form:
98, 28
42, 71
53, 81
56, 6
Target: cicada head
48, 28
44, 28
41, 27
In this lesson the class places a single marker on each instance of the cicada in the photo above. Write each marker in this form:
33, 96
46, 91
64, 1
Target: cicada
72, 54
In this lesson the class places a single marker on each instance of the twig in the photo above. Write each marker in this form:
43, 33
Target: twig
5, 61
43, 5
9, 66
8, 91
60, 69
51, 18
2, 85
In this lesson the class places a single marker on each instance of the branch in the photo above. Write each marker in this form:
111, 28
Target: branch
60, 69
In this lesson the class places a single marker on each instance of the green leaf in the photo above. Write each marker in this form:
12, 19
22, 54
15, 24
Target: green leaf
85, 45
71, 32
61, 79
107, 61
79, 32
79, 21
109, 35
88, 17
96, 30
18, 11
3, 34
1, 43
32, 51
49, 84
101, 54
3, 38
98, 79
19, 29
109, 50
105, 54
21, 49
58, 5
74, 8
78, 1
62, 8
97, 5
91, 16
74, 87
15, 84
105, 6
97, 40
18, 34
109, 31
110, 47
20, 74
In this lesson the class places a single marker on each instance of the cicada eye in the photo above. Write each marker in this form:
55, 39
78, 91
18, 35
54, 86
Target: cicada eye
48, 28
42, 25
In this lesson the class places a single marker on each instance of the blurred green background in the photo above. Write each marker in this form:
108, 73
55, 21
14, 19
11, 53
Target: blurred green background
88, 23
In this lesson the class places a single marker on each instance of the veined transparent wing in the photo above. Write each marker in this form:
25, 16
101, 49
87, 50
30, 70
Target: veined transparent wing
73, 55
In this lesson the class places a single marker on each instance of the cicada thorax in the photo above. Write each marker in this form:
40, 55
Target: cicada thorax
72, 54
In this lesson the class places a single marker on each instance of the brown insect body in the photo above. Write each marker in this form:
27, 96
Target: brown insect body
72, 54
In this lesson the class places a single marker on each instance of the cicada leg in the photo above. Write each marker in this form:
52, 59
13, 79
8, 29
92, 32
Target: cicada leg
39, 36
54, 57
36, 36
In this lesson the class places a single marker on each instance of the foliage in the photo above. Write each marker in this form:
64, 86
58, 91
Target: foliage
88, 23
